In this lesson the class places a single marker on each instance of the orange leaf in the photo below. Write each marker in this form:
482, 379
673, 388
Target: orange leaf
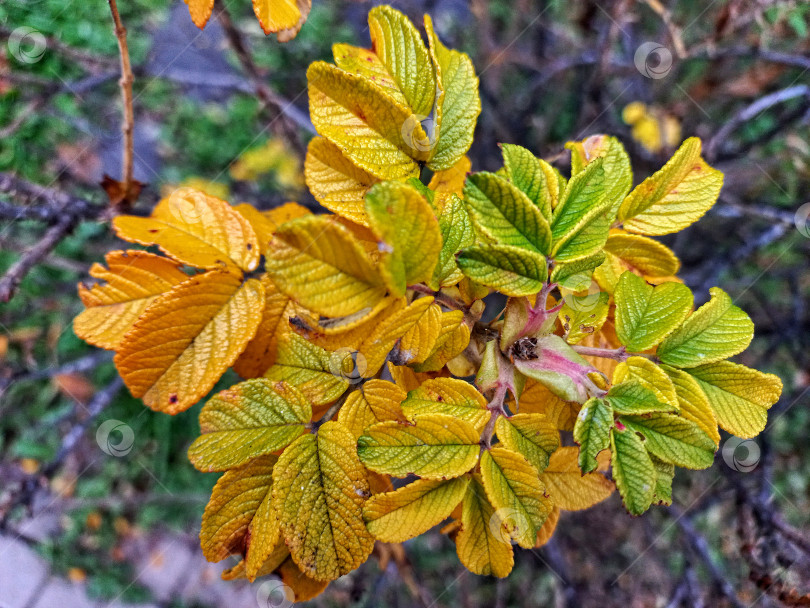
196, 229
133, 281
186, 340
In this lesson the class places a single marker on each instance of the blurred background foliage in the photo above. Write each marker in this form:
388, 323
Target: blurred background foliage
550, 72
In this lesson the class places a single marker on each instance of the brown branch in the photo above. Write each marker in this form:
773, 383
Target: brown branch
130, 190
280, 123
11, 280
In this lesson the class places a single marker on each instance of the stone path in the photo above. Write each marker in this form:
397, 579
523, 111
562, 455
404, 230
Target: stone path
170, 568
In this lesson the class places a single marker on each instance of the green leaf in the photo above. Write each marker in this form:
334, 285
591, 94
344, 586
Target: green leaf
633, 471
510, 270
524, 170
458, 105
674, 439
675, 196
579, 225
399, 46
631, 397
315, 371
645, 315
502, 212
578, 272
715, 331
581, 320
616, 163
532, 435
740, 396
515, 490
436, 446
592, 431
457, 233
649, 375
664, 473
249, 419
410, 239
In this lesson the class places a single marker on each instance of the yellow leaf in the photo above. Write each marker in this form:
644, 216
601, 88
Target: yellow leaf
249, 419
200, 11
568, 487
436, 446
642, 255
394, 517
350, 331
692, 401
319, 264
548, 528
184, 342
453, 339
265, 223
376, 347
481, 545
319, 374
196, 229
366, 63
133, 280
449, 396
408, 233
347, 109
235, 500
675, 196
283, 16
448, 182
418, 342
532, 436
650, 376
260, 352
537, 399
375, 401
319, 486
514, 489
335, 182
740, 396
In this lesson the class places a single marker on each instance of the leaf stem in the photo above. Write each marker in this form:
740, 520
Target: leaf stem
618, 354
495, 407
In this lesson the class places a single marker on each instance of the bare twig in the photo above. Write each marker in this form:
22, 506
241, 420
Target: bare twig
751, 111
698, 544
280, 122
11, 280
130, 190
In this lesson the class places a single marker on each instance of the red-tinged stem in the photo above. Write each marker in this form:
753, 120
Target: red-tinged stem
495, 407
618, 354
440, 297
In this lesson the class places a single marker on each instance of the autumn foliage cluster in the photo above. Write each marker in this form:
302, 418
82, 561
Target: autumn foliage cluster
382, 394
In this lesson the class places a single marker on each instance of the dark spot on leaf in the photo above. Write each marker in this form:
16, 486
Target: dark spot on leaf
172, 398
